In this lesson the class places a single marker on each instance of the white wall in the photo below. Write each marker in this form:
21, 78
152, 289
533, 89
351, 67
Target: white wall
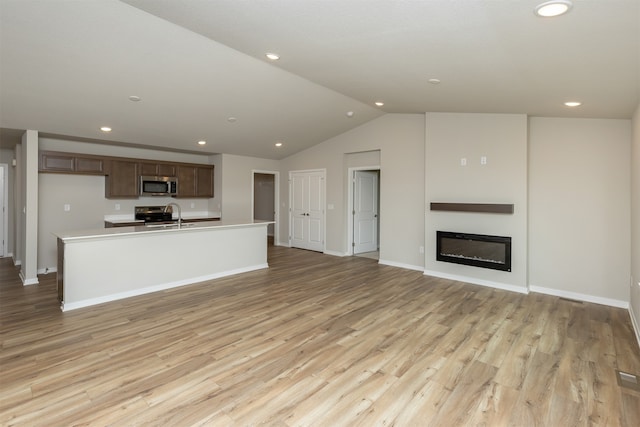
85, 196
400, 140
215, 203
502, 139
237, 184
579, 218
635, 223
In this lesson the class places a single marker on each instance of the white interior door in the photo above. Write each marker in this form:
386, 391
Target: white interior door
307, 210
365, 212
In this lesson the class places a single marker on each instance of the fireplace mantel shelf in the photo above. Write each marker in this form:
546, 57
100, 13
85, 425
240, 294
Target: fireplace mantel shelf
498, 208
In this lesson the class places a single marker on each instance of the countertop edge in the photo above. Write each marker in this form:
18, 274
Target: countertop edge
108, 233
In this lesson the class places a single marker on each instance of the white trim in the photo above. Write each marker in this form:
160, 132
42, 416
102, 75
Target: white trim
27, 282
334, 253
580, 297
635, 323
276, 197
400, 265
474, 281
157, 288
4, 169
47, 270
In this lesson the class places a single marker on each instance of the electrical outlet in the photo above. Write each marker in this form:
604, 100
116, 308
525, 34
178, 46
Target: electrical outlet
463, 161
483, 160
67, 207
117, 206
193, 205
421, 249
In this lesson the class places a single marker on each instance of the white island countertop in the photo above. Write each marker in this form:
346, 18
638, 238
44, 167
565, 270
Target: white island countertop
101, 233
107, 264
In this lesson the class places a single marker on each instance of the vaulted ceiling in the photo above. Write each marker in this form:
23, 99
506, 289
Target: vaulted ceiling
200, 72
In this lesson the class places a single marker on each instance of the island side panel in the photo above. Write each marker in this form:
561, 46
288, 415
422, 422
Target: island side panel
100, 270
60, 271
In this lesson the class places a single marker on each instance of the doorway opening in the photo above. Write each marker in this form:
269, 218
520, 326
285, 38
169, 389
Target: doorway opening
363, 228
265, 200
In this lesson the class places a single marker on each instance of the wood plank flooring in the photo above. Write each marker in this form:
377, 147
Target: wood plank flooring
314, 340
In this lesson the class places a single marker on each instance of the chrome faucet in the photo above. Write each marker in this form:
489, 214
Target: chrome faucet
166, 208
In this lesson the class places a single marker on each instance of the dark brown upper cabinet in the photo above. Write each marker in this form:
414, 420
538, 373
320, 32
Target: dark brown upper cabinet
55, 162
122, 181
195, 181
157, 169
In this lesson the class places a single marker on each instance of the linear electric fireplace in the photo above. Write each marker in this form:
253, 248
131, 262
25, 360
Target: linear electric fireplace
474, 249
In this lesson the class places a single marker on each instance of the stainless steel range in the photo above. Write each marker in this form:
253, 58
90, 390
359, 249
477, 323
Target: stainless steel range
154, 214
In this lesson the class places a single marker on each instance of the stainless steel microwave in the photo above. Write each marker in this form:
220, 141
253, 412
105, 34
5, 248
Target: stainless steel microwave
158, 186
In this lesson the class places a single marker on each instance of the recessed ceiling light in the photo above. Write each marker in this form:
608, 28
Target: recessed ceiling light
134, 98
434, 81
350, 113
553, 8
202, 142
232, 119
105, 129
573, 103
272, 56
278, 144
379, 103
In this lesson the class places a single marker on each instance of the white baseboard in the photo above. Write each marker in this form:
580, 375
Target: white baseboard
475, 281
401, 265
334, 253
635, 322
47, 270
156, 288
580, 297
27, 282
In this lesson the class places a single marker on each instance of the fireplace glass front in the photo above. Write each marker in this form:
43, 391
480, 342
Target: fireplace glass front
474, 249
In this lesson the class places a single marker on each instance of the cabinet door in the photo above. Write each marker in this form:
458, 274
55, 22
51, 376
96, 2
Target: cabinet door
195, 181
165, 169
148, 169
204, 182
186, 181
122, 181
71, 163
157, 169
56, 162
89, 165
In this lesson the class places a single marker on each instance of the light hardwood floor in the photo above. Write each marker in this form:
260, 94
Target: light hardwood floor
314, 340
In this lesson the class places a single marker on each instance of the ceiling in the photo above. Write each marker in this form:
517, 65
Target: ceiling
69, 67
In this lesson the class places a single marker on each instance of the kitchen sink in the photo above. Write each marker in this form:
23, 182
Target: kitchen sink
172, 225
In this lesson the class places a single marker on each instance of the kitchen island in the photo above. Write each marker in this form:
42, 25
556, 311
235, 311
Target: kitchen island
97, 266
